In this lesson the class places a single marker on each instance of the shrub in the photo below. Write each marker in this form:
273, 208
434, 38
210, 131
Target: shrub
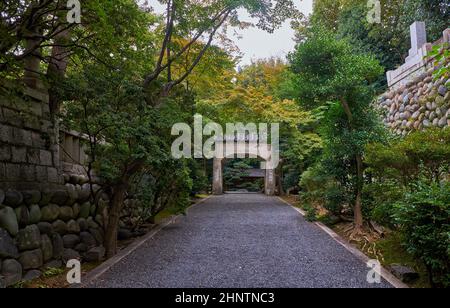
379, 198
421, 153
424, 217
335, 200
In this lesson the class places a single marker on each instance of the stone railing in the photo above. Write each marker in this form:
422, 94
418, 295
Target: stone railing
72, 151
415, 99
418, 62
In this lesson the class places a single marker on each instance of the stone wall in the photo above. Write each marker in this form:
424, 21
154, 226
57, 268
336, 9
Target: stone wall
47, 215
420, 104
29, 156
44, 229
415, 100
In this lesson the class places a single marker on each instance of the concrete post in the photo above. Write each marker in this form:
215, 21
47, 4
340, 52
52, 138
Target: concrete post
418, 37
270, 182
217, 177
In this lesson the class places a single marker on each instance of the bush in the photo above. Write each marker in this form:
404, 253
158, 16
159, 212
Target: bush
200, 183
420, 153
424, 217
335, 200
379, 198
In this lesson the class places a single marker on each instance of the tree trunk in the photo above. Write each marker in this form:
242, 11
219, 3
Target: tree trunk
359, 220
116, 205
32, 62
57, 68
357, 209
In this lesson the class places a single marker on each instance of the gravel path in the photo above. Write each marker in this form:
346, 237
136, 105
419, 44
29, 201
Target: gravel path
239, 241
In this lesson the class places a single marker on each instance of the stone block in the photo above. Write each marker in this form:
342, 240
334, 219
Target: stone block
45, 158
37, 140
53, 176
41, 174
12, 172
5, 153
32, 122
33, 156
19, 154
12, 117
22, 136
6, 133
28, 173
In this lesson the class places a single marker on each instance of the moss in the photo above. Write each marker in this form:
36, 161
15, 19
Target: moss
394, 253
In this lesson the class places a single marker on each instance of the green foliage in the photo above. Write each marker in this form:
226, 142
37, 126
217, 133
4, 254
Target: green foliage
334, 77
388, 41
200, 181
328, 68
441, 58
410, 191
311, 213
420, 152
379, 198
424, 217
52, 272
235, 174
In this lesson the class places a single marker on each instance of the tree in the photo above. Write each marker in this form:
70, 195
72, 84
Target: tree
195, 21
145, 81
329, 71
388, 40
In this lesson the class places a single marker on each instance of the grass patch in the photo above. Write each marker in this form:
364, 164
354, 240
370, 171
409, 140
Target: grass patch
201, 196
170, 211
55, 278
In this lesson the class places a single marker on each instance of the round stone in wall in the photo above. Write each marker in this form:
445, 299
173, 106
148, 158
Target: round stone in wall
66, 213
13, 198
60, 227
31, 197
46, 247
58, 246
50, 212
8, 220
70, 254
32, 275
35, 214
23, 215
71, 240
442, 122
442, 90
29, 238
31, 259
7, 247
73, 227
11, 272
45, 228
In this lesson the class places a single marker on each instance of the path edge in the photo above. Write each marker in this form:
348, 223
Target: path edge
108, 264
390, 278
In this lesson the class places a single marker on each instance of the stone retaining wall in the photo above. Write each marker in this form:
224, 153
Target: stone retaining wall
47, 216
29, 156
44, 229
415, 100
422, 103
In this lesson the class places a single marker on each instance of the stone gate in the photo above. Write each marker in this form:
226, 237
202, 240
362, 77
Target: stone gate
243, 150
